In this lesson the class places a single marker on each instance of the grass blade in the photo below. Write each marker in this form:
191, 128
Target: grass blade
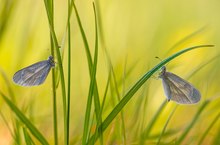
216, 140
14, 135
99, 130
17, 134
146, 132
90, 64
198, 31
165, 126
209, 128
118, 98
25, 120
202, 66
54, 99
53, 80
92, 86
60, 65
69, 71
27, 137
138, 84
190, 126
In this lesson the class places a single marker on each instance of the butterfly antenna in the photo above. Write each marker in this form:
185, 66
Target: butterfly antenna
158, 58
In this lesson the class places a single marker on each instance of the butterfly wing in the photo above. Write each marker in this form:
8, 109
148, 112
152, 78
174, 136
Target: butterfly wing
166, 88
181, 91
32, 75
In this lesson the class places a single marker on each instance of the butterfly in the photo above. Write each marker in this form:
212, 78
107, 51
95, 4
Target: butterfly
178, 89
34, 74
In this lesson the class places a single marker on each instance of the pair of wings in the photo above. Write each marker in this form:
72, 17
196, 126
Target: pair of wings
179, 90
32, 75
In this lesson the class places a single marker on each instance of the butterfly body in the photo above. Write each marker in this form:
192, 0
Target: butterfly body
178, 89
34, 74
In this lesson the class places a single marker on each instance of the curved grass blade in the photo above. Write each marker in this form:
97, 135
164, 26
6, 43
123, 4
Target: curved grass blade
91, 87
27, 137
90, 63
198, 31
166, 134
203, 65
7, 82
16, 126
165, 126
6, 12
25, 120
60, 65
138, 84
69, 72
216, 140
9, 128
190, 126
54, 94
146, 132
209, 128
138, 123
102, 107
116, 86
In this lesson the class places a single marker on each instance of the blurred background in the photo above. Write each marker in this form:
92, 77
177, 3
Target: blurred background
132, 33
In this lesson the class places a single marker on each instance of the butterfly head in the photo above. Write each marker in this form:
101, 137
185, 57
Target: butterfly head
51, 61
162, 72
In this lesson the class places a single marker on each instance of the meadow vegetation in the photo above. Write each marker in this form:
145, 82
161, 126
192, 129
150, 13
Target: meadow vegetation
104, 88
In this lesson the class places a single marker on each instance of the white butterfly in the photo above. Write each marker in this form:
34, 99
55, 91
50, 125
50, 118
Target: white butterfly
34, 74
177, 89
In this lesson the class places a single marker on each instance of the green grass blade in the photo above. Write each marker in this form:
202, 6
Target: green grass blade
7, 83
137, 86
90, 64
209, 128
102, 107
190, 126
14, 135
96, 96
16, 126
119, 99
69, 71
27, 137
60, 66
139, 115
25, 120
17, 132
6, 13
91, 125
202, 66
200, 30
92, 86
147, 131
55, 127
216, 140
85, 41
54, 99
167, 134
99, 130
165, 126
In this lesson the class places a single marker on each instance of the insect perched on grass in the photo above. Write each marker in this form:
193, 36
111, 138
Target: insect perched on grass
34, 74
177, 89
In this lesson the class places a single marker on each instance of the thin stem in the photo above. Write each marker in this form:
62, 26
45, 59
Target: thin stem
54, 81
54, 99
69, 71
60, 66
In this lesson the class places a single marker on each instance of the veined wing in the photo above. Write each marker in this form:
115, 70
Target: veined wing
32, 75
182, 91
